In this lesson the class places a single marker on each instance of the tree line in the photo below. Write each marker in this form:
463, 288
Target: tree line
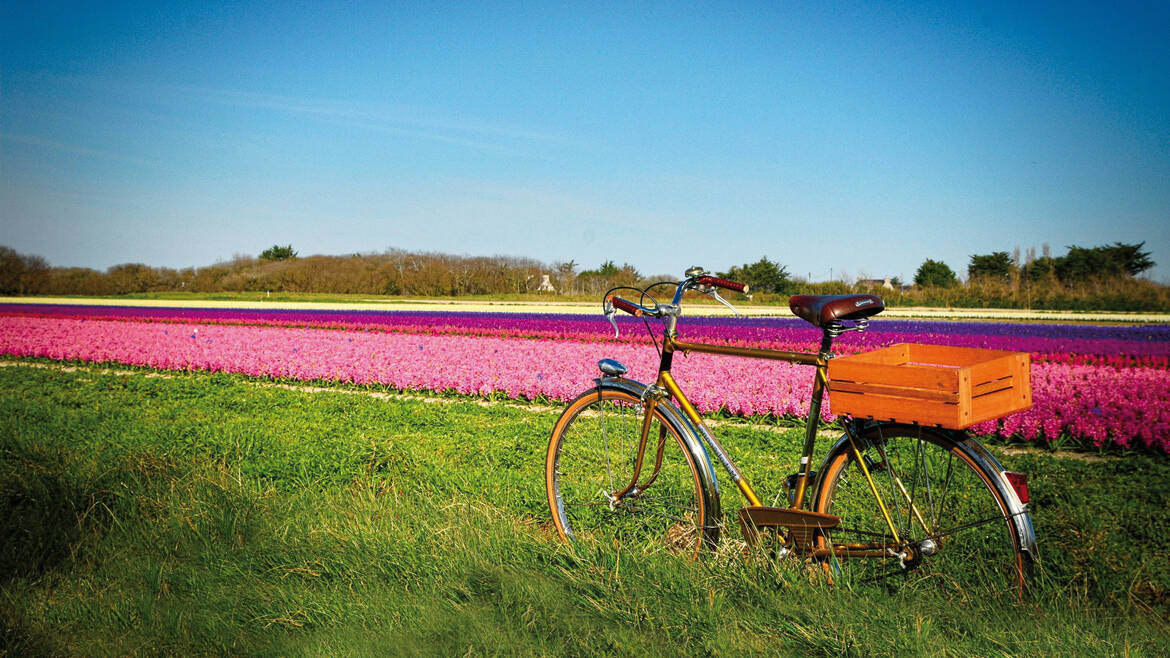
1081, 264
1102, 277
281, 269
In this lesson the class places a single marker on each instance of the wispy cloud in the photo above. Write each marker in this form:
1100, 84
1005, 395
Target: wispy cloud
402, 120
62, 147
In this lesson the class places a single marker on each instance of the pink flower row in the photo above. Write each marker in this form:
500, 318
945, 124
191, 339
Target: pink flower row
1118, 346
1125, 406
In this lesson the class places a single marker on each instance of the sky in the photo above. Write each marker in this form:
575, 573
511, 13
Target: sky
841, 140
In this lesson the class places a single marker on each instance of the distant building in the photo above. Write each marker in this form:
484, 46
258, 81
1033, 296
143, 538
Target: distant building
545, 284
876, 283
882, 283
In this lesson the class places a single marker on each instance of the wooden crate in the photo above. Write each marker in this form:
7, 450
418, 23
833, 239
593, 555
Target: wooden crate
953, 387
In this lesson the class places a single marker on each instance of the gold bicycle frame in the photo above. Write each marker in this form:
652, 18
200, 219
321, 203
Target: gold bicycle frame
666, 381
666, 385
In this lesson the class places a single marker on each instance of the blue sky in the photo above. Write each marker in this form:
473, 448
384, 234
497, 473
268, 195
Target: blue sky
851, 138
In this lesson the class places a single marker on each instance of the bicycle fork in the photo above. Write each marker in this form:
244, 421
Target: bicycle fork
649, 401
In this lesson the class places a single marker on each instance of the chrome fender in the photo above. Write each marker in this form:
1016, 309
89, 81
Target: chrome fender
690, 435
1025, 533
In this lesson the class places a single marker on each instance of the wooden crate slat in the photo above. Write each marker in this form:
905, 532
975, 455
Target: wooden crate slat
925, 377
893, 355
897, 391
992, 386
951, 355
903, 410
994, 405
993, 369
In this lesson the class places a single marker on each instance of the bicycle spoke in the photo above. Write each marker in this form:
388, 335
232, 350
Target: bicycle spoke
929, 494
605, 447
952, 521
975, 524
595, 458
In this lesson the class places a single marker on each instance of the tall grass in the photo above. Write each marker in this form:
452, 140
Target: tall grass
1108, 294
206, 514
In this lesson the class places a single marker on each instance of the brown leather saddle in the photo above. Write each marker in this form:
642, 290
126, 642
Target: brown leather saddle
821, 310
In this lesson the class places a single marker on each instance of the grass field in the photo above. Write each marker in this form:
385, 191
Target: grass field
174, 513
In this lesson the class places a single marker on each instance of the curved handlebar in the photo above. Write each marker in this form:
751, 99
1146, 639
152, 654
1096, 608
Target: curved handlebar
697, 280
722, 283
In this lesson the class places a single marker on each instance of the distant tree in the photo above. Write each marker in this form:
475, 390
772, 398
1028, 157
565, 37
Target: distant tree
1080, 264
277, 252
131, 277
566, 275
11, 267
1040, 269
933, 273
1131, 257
606, 269
21, 274
997, 266
761, 276
77, 281
1116, 260
606, 276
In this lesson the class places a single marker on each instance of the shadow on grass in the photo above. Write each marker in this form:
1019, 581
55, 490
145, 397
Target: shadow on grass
51, 509
43, 509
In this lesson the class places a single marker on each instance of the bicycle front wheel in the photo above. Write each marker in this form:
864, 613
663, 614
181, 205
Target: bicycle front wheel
925, 511
598, 493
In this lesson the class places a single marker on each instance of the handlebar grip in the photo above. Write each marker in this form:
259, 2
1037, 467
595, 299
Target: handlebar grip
724, 283
628, 307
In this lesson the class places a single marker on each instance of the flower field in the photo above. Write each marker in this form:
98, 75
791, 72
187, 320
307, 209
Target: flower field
1102, 384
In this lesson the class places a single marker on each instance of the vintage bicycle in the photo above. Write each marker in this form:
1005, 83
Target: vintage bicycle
895, 495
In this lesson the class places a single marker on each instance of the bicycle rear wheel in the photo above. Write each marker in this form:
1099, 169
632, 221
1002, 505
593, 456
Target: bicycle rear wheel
591, 460
955, 526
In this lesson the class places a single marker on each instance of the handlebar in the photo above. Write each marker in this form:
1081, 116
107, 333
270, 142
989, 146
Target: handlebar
697, 279
722, 283
625, 305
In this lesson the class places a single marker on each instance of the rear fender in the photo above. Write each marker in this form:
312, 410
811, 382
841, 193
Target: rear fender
972, 449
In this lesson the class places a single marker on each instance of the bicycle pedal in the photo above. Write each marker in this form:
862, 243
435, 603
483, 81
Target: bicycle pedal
802, 525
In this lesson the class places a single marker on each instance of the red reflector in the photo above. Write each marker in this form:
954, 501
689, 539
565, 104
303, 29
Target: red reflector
1019, 482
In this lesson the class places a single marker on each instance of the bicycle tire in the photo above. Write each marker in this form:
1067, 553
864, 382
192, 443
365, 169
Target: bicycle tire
591, 456
982, 536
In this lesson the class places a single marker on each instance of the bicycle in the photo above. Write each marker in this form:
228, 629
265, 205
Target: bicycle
889, 498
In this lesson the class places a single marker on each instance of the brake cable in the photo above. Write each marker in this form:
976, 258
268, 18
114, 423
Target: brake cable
646, 295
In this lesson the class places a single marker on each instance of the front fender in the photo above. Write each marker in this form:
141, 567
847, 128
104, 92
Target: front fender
685, 428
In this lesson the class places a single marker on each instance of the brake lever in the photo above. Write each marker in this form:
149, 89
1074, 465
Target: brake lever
610, 313
715, 294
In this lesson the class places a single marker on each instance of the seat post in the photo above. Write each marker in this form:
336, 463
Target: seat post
814, 416
831, 331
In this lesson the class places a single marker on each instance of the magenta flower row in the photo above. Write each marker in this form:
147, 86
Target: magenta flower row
1125, 406
1118, 346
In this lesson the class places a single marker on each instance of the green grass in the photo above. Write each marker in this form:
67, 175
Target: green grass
208, 514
